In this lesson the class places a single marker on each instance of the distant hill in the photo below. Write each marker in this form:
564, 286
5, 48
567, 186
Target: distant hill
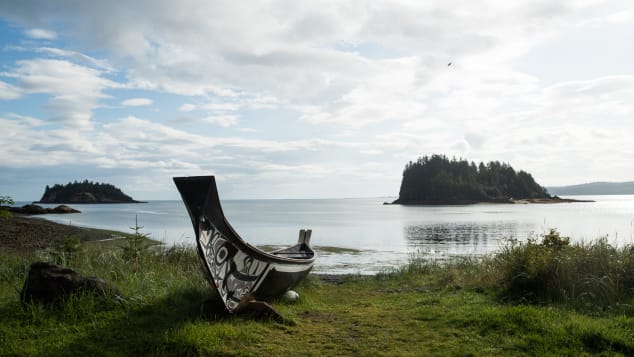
437, 180
85, 192
595, 188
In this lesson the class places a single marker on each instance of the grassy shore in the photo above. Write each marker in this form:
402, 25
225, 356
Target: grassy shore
486, 307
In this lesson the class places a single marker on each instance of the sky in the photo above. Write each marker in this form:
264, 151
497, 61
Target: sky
310, 99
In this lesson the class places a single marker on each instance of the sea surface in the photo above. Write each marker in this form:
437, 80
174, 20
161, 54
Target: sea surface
364, 236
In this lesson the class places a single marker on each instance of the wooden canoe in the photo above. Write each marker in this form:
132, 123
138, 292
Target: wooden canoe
234, 267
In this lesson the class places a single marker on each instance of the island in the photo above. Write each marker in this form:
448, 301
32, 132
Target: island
436, 180
85, 192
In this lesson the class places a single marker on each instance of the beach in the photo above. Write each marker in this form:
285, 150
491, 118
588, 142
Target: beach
28, 233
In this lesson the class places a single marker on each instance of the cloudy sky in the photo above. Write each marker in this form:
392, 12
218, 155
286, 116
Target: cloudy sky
310, 99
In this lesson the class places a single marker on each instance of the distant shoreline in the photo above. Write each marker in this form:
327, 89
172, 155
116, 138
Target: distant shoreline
88, 203
551, 200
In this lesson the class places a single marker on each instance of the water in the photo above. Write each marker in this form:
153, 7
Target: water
364, 236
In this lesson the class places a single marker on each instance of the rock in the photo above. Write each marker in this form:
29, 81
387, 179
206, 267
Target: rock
260, 310
48, 283
290, 295
64, 209
35, 209
31, 209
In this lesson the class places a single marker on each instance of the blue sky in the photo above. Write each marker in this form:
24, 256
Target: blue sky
286, 99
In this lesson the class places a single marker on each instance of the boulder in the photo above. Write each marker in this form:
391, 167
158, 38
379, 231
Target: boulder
31, 209
36, 209
49, 283
64, 209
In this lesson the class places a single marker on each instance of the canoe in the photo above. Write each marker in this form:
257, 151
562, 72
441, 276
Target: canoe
235, 268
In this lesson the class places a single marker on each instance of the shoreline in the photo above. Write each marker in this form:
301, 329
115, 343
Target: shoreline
29, 233
552, 200
23, 233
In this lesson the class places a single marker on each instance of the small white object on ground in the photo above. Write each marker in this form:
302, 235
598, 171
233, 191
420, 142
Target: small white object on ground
291, 295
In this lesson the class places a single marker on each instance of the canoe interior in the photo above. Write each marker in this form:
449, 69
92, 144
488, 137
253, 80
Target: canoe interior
234, 267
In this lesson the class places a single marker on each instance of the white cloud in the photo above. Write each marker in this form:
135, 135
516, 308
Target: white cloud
75, 90
187, 107
222, 120
41, 34
8, 92
77, 57
284, 50
137, 102
618, 17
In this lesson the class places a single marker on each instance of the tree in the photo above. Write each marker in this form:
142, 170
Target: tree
5, 200
436, 179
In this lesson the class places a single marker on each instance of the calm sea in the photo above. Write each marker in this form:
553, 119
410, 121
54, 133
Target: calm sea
376, 237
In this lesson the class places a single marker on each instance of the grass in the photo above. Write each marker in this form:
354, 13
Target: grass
459, 308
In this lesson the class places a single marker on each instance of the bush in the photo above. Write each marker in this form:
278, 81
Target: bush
5, 200
590, 275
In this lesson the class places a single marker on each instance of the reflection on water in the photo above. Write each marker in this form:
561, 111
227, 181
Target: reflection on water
462, 237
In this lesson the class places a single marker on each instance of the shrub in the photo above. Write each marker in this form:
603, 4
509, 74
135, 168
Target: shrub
5, 200
589, 275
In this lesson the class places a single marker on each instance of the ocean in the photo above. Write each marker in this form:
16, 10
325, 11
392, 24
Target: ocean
363, 236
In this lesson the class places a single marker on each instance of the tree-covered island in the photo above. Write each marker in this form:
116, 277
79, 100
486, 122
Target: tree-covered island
435, 180
85, 192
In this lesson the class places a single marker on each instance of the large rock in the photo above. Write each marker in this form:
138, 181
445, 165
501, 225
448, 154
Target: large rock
36, 209
64, 209
48, 283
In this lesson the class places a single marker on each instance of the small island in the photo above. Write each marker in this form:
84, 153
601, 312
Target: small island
85, 192
436, 180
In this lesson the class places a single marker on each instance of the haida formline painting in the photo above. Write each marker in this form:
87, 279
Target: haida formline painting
233, 266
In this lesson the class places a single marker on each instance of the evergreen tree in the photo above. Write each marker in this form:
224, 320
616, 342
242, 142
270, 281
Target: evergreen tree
436, 179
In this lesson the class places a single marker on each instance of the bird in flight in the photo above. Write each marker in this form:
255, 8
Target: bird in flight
448, 64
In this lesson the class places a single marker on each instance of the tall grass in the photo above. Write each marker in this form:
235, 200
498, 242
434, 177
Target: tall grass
161, 288
594, 274
145, 275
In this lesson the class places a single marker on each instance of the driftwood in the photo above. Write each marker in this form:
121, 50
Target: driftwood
48, 283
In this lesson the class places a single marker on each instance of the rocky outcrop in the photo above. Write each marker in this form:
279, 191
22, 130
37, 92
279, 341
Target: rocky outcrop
35, 209
48, 283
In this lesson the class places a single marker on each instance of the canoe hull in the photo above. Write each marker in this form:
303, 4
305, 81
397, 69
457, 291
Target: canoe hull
232, 266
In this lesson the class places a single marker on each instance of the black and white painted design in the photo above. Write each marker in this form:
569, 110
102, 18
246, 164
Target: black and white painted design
232, 266
234, 272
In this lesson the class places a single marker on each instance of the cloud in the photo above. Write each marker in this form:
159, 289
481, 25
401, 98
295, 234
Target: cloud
8, 92
77, 57
187, 107
41, 34
137, 102
222, 120
474, 140
618, 17
291, 53
75, 90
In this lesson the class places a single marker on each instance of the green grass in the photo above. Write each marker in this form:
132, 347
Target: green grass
424, 308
